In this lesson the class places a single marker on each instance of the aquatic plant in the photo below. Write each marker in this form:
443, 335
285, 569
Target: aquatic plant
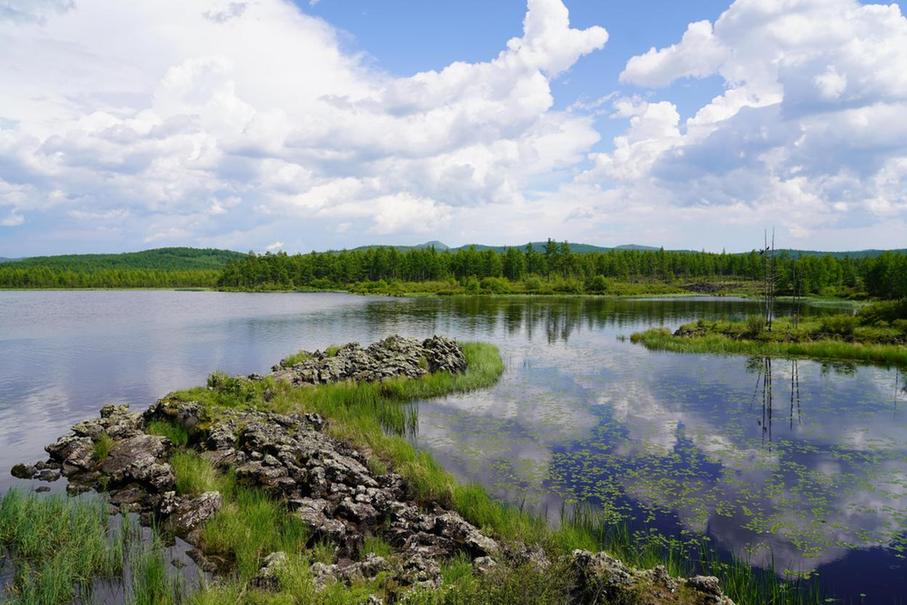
60, 545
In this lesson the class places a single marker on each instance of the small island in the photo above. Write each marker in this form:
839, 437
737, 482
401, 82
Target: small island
876, 334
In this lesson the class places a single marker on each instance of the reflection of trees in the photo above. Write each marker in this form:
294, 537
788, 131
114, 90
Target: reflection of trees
764, 390
556, 318
794, 391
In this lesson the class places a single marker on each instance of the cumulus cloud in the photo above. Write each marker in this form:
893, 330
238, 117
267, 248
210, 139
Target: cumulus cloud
805, 133
199, 116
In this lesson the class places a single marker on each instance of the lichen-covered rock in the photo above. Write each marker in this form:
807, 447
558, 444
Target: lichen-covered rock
392, 357
268, 577
73, 452
187, 514
600, 578
141, 458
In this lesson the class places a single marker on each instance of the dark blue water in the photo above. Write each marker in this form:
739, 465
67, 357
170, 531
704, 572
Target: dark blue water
682, 443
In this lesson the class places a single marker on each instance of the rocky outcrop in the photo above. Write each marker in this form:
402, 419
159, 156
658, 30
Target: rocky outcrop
600, 578
326, 484
394, 356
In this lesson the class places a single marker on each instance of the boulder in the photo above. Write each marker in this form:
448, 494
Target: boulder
190, 513
140, 459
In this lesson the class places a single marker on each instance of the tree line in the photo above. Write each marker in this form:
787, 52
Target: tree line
555, 267
12, 276
883, 276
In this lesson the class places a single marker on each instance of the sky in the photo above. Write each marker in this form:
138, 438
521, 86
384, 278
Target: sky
325, 124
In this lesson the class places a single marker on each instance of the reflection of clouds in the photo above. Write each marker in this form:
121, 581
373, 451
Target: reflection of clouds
836, 479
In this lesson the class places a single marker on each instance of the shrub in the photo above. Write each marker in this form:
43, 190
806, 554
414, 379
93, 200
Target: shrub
495, 285
755, 325
838, 325
235, 391
889, 311
598, 284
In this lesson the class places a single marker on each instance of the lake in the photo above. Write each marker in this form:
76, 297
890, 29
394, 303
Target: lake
810, 474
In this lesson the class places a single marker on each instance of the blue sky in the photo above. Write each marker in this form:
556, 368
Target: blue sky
272, 125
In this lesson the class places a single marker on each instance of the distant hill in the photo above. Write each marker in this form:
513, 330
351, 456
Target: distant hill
164, 259
850, 254
580, 248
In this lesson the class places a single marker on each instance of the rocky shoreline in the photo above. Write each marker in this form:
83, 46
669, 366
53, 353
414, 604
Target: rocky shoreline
324, 483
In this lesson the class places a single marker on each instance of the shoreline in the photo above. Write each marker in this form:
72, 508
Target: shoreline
372, 430
742, 296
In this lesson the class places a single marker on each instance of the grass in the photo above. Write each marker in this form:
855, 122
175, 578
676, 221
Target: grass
195, 475
838, 337
249, 527
374, 545
102, 446
150, 584
60, 545
376, 418
177, 434
292, 360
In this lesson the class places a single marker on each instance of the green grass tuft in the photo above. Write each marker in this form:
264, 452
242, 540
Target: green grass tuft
178, 435
249, 527
102, 446
195, 475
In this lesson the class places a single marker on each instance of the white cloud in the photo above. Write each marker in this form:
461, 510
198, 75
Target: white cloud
196, 115
225, 122
806, 134
273, 247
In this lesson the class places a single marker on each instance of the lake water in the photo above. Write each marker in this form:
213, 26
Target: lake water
681, 443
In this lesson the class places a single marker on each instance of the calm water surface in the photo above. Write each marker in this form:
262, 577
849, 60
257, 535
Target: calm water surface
682, 443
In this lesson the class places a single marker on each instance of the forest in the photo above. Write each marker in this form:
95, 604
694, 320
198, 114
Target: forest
552, 268
158, 268
527, 269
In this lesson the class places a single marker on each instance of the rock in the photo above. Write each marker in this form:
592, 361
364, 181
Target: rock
187, 414
22, 471
129, 498
708, 589
48, 474
42, 489
74, 452
185, 515
313, 512
483, 565
140, 458
444, 355
393, 356
268, 577
421, 572
705, 584
350, 573
452, 526
599, 576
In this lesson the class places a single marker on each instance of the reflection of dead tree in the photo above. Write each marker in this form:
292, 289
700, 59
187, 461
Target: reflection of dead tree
767, 400
794, 391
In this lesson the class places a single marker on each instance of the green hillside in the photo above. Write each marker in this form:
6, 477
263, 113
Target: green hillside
159, 259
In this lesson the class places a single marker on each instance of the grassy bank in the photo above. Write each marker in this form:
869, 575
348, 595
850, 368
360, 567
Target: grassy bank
376, 417
877, 334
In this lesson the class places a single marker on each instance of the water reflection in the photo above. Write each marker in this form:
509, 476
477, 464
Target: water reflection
683, 443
